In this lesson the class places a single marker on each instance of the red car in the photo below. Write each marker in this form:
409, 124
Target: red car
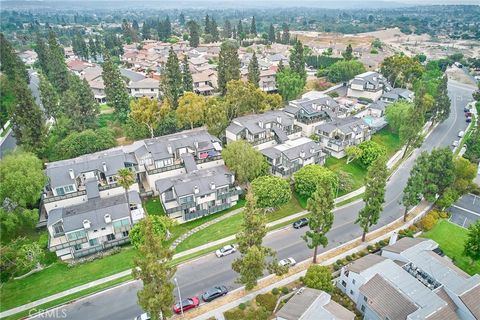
187, 304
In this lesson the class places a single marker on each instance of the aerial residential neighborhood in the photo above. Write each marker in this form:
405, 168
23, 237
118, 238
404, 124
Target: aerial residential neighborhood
253, 160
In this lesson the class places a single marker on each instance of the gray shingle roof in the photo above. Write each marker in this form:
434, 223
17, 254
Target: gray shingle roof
403, 244
345, 125
251, 122
364, 263
471, 299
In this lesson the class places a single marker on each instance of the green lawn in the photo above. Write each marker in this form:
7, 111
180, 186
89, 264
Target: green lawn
153, 207
355, 168
232, 225
389, 140
451, 238
104, 119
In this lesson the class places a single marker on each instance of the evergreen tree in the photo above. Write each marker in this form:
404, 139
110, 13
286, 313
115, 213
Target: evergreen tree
472, 244
253, 27
281, 67
11, 64
194, 37
227, 29
153, 269
254, 71
115, 88
171, 84
208, 28
228, 64
57, 71
374, 195
348, 54
234, 33
241, 34
135, 25
441, 106
42, 53
278, 37
412, 193
214, 31
285, 34
186, 75
271, 33
92, 49
49, 98
146, 34
181, 19
297, 60
410, 131
320, 206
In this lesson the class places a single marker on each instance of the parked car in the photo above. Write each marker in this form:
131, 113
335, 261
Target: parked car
455, 143
143, 316
289, 262
225, 251
466, 109
214, 293
468, 114
469, 120
461, 134
187, 304
300, 223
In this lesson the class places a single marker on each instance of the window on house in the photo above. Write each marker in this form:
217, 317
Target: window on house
362, 308
58, 228
121, 223
110, 237
344, 283
103, 228
77, 247
351, 292
353, 281
365, 298
76, 235
93, 242
125, 233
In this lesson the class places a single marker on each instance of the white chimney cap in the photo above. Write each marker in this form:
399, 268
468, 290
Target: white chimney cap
71, 173
86, 224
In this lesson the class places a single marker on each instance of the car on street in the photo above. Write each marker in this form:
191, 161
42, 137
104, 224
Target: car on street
187, 304
466, 109
455, 143
288, 262
468, 120
214, 293
461, 134
225, 251
300, 223
146, 316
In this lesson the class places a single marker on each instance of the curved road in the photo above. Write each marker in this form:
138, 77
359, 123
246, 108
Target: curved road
199, 274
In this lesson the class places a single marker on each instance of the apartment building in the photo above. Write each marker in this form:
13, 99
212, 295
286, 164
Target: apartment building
410, 280
370, 85
147, 87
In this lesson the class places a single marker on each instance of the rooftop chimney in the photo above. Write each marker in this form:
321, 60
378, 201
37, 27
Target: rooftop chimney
72, 175
196, 190
108, 218
312, 150
169, 149
260, 124
302, 154
212, 185
393, 239
279, 119
86, 224
195, 143
104, 164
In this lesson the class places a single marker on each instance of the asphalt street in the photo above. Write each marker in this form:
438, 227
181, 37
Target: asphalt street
196, 276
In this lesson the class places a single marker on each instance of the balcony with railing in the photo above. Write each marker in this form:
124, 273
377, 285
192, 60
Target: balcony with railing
230, 193
164, 169
206, 212
59, 243
49, 197
208, 159
257, 142
176, 208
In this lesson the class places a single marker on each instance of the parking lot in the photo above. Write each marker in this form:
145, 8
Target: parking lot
465, 211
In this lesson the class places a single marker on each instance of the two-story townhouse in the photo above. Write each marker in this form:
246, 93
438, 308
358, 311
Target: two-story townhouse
267, 80
67, 178
204, 82
96, 224
287, 158
312, 110
263, 130
410, 281
397, 94
335, 136
369, 85
198, 193
147, 87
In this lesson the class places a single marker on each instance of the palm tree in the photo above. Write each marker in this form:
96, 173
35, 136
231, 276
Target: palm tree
125, 179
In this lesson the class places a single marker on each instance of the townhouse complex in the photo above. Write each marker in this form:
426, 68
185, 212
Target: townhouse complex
411, 279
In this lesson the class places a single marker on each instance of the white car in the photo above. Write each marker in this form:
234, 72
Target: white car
225, 251
289, 262
461, 133
455, 143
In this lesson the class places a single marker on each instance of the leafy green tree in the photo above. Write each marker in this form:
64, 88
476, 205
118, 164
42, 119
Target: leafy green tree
79, 104
396, 114
161, 226
285, 34
251, 264
310, 176
297, 60
345, 181
271, 191
22, 178
465, 172
186, 75
80, 143
49, 97
245, 161
227, 29
253, 27
135, 130
171, 84
318, 277
401, 70
448, 197
439, 173
115, 88
320, 206
348, 54
343, 71
352, 153
271, 33
152, 267
374, 195
441, 106
191, 110
410, 130
57, 73
290, 84
472, 245
216, 117
194, 33
254, 71
371, 151
412, 193
92, 49
41, 49
10, 63
148, 112
228, 64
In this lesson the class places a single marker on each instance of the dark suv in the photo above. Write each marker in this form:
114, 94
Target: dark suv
214, 293
300, 223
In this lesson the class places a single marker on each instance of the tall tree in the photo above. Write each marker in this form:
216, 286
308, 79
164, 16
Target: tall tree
439, 174
49, 98
228, 64
285, 34
214, 31
254, 71
251, 264
194, 34
348, 54
115, 88
191, 110
208, 26
125, 179
290, 84
411, 130
253, 27
10, 63
441, 106
41, 49
412, 193
186, 75
56, 66
148, 112
240, 31
271, 33
374, 195
216, 117
92, 49
227, 29
152, 267
171, 84
297, 60
472, 245
320, 205
246, 162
